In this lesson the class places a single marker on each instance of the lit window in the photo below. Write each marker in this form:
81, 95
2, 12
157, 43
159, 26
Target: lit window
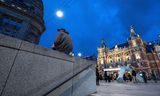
134, 43
137, 56
102, 62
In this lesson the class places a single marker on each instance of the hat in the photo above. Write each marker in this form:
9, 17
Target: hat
67, 32
61, 29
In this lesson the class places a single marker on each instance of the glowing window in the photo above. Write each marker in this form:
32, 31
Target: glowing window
137, 56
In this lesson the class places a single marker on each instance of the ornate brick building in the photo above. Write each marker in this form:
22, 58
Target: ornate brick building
135, 52
22, 19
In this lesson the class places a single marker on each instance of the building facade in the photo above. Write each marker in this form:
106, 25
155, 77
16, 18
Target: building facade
22, 19
135, 52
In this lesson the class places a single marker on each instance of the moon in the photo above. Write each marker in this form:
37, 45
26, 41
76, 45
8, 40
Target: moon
59, 13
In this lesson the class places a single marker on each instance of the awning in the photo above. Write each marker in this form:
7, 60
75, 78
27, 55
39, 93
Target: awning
111, 69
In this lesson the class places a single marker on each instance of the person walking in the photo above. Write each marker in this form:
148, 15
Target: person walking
109, 77
130, 77
144, 76
134, 76
154, 77
124, 77
105, 76
97, 76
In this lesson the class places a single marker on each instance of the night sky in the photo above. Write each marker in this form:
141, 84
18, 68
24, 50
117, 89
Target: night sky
88, 21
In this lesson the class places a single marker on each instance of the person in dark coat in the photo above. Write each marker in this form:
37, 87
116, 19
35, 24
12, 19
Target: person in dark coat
63, 42
130, 77
124, 77
134, 76
154, 77
97, 76
144, 76
109, 77
105, 76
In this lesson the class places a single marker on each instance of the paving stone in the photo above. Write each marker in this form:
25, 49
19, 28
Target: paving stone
127, 89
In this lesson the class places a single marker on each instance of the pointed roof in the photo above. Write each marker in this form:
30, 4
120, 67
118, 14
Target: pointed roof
132, 30
133, 35
102, 45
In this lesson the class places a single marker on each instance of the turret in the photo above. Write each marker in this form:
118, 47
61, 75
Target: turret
102, 52
134, 39
102, 45
132, 31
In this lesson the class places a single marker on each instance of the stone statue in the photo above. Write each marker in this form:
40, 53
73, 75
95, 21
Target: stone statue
63, 42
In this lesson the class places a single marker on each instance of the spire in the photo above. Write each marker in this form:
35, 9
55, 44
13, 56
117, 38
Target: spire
102, 41
132, 30
102, 44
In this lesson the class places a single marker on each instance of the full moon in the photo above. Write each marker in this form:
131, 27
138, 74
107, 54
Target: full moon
59, 13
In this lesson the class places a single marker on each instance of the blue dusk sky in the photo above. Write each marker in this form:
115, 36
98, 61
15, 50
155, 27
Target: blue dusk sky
88, 21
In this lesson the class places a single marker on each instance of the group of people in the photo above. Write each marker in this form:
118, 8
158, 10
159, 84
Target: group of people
127, 77
110, 77
133, 77
144, 75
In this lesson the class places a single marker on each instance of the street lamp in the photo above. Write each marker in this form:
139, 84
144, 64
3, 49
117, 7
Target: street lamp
79, 54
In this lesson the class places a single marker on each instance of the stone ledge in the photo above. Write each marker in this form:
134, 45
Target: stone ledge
80, 64
9, 41
18, 44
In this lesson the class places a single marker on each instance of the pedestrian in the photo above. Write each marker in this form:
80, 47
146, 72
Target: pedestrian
134, 76
144, 76
117, 75
105, 76
97, 76
109, 78
154, 77
124, 77
130, 77
63, 42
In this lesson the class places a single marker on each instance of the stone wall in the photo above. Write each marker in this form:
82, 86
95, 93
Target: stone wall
27, 69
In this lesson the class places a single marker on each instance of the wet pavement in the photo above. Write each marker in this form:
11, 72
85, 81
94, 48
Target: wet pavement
128, 89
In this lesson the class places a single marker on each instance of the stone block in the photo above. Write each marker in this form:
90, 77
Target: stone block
7, 57
80, 64
9, 41
53, 53
27, 46
84, 83
64, 90
34, 74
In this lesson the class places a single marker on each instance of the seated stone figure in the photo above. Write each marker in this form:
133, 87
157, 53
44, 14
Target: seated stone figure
63, 42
